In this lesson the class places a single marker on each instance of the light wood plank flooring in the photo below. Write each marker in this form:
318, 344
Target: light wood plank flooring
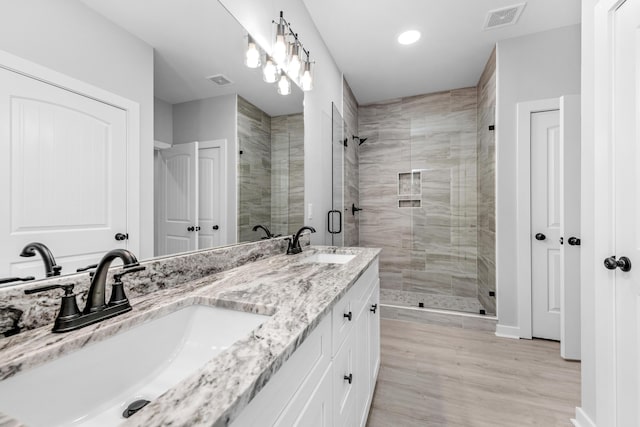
433, 375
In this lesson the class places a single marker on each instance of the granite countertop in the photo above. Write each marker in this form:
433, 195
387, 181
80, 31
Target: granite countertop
297, 295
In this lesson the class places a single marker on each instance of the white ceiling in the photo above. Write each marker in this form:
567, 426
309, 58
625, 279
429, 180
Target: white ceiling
453, 50
194, 39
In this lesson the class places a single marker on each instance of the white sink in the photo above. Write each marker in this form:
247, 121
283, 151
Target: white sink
329, 258
94, 385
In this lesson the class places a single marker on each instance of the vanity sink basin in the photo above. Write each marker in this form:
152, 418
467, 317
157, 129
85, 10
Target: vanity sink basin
94, 385
329, 258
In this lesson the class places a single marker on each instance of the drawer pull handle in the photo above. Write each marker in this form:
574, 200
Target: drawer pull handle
348, 378
348, 316
373, 308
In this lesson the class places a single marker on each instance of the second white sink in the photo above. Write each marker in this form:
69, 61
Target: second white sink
329, 258
94, 385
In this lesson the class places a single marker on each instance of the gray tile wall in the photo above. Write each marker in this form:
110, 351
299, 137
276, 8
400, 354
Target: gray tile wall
486, 186
431, 249
287, 173
254, 170
351, 168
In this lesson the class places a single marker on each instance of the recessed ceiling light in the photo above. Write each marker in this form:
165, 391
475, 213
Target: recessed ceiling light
409, 37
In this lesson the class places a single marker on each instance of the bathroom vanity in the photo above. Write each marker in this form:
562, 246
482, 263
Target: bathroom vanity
308, 354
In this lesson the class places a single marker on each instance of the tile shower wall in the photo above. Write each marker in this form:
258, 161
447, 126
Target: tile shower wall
429, 252
351, 168
254, 169
287, 173
486, 186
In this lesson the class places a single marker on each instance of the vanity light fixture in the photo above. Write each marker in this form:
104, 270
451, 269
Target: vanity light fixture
252, 55
284, 84
409, 37
285, 62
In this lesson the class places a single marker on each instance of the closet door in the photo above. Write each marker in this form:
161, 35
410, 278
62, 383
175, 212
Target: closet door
178, 216
63, 180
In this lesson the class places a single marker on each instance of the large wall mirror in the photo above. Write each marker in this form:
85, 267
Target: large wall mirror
228, 148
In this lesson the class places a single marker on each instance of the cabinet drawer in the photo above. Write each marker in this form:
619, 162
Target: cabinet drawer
295, 381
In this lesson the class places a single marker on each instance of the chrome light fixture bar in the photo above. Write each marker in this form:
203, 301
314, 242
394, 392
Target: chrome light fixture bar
286, 61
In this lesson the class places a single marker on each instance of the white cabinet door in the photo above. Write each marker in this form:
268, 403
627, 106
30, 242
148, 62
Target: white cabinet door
317, 412
374, 333
178, 215
63, 179
361, 374
344, 409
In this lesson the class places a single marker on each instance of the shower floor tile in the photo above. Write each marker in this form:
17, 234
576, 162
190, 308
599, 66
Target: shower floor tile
441, 302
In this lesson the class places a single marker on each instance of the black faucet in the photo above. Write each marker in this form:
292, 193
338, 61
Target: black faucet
266, 230
50, 267
294, 243
70, 317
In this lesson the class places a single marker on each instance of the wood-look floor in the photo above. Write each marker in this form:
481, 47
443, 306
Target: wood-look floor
433, 375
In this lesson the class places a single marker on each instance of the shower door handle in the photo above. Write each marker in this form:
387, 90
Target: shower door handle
329, 222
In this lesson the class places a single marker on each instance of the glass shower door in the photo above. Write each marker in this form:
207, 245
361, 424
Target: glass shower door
335, 220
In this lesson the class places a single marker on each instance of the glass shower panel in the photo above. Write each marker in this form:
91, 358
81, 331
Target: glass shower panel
335, 218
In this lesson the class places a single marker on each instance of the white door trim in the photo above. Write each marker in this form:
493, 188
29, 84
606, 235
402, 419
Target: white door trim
523, 206
35, 71
228, 235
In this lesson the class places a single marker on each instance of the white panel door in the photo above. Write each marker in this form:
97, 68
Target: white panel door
211, 201
178, 217
626, 169
63, 179
546, 260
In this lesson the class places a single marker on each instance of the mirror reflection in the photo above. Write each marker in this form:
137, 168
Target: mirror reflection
227, 158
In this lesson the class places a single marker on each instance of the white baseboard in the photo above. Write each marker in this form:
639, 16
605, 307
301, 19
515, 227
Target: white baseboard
512, 332
582, 419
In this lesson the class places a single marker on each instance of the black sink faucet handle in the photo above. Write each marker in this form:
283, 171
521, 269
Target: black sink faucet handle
68, 306
118, 276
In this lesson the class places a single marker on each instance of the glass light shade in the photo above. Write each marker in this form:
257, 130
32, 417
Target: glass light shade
294, 61
306, 81
252, 55
269, 71
284, 85
280, 46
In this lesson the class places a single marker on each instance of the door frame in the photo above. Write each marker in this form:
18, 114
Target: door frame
49, 76
604, 313
523, 207
229, 234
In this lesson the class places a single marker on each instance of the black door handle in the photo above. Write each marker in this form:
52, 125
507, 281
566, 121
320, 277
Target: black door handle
623, 263
574, 241
197, 228
540, 236
121, 236
192, 228
348, 315
562, 240
348, 378
215, 227
373, 308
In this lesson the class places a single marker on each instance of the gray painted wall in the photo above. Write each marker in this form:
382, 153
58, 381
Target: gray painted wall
72, 39
538, 66
206, 120
162, 121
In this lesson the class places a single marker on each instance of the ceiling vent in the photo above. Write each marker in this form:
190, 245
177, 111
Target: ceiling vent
504, 16
220, 80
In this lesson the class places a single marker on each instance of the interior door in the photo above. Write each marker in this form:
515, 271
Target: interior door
62, 179
178, 217
546, 260
626, 174
211, 202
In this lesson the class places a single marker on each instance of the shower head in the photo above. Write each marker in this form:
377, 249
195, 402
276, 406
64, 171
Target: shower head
362, 140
